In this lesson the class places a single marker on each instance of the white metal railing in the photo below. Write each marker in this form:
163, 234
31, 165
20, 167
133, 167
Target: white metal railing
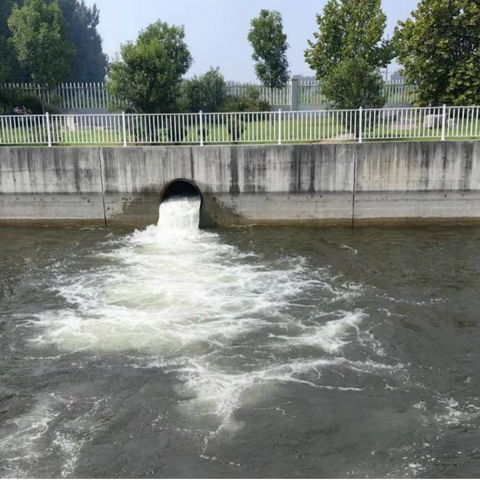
98, 129
242, 127
23, 129
167, 128
251, 127
311, 126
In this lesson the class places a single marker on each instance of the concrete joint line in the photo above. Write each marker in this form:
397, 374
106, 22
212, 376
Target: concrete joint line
100, 159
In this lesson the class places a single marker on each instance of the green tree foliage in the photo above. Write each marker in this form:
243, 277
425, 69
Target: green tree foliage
6, 7
354, 84
205, 92
149, 73
439, 48
82, 22
269, 49
5, 60
10, 70
349, 44
40, 41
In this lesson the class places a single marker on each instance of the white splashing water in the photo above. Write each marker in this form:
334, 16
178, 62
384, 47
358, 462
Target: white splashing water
181, 295
171, 288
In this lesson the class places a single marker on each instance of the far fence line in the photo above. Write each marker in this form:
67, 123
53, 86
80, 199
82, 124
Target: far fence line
234, 128
297, 95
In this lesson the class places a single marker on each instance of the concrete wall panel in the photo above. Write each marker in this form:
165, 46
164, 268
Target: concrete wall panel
318, 184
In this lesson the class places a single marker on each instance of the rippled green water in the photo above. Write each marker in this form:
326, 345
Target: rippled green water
252, 352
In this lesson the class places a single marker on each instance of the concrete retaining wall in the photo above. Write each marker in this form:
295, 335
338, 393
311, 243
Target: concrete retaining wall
408, 182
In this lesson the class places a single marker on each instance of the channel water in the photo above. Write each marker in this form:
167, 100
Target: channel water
242, 352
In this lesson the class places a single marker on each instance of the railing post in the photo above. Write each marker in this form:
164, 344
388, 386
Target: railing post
201, 127
360, 125
49, 133
444, 121
293, 94
124, 130
279, 126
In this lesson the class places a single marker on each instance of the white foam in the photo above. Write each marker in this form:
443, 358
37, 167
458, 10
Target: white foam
454, 413
220, 392
330, 336
169, 288
185, 299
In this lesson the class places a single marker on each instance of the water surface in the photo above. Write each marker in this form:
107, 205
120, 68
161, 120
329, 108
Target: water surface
246, 352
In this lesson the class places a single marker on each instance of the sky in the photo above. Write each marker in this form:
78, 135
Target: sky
216, 30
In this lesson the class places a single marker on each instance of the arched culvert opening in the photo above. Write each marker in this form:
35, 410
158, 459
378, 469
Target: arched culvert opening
180, 188
186, 188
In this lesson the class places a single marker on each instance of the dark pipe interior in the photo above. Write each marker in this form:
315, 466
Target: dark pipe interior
180, 189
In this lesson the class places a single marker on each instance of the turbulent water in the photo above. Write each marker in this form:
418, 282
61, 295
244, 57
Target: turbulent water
250, 352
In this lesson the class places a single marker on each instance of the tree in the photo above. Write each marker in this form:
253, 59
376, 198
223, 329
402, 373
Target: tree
5, 60
349, 44
353, 84
40, 41
439, 48
205, 92
149, 73
82, 22
6, 7
269, 49
10, 70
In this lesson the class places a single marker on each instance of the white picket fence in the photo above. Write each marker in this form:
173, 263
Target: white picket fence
394, 91
397, 91
69, 96
274, 96
309, 93
89, 96
252, 127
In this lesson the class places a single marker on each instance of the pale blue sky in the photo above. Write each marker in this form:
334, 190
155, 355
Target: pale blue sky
216, 30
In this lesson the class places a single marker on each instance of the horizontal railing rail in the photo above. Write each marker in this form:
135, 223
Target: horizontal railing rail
242, 127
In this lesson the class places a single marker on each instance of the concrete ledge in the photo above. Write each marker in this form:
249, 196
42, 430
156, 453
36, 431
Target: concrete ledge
283, 209
390, 207
36, 207
416, 222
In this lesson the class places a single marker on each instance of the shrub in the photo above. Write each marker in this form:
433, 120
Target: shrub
205, 92
249, 102
27, 102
